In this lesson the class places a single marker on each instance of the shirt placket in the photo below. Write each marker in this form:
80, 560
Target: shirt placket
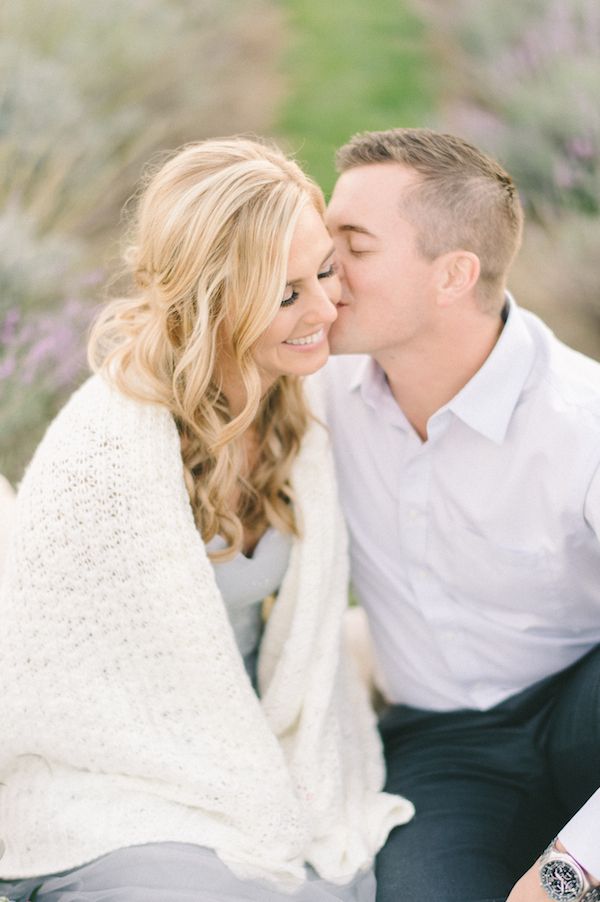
415, 506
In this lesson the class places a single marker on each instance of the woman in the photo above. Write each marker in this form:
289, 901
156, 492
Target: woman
157, 743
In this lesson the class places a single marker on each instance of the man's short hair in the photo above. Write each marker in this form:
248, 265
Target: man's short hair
462, 200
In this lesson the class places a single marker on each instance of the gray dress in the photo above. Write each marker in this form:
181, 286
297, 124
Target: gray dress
181, 872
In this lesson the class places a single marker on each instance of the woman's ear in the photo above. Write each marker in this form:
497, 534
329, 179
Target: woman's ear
456, 276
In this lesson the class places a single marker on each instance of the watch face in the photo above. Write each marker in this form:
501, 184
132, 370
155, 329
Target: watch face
560, 880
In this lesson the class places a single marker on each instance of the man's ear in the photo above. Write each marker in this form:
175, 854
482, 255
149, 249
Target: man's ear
457, 273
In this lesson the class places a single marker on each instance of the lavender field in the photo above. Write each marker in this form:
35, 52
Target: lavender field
90, 93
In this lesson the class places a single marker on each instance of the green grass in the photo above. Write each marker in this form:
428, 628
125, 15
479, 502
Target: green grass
351, 66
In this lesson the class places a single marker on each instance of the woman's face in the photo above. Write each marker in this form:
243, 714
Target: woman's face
296, 342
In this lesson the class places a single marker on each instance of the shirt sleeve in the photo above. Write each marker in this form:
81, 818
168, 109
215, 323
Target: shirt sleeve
581, 836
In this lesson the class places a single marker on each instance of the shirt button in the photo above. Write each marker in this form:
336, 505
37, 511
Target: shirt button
413, 514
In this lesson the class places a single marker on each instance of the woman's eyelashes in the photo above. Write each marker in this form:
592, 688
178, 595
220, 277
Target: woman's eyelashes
330, 271
294, 295
289, 299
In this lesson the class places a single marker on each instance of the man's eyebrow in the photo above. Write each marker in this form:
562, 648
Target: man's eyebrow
356, 228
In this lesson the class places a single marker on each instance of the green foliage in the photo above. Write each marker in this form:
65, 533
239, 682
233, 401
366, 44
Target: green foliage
351, 66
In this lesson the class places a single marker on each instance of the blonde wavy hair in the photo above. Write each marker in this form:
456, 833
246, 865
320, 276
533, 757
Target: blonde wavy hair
208, 257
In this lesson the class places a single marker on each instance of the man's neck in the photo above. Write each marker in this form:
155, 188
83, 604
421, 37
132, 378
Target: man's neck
426, 375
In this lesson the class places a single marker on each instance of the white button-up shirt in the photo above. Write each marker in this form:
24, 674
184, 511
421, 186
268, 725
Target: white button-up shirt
475, 554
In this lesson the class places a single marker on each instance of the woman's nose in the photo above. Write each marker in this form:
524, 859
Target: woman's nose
322, 305
331, 292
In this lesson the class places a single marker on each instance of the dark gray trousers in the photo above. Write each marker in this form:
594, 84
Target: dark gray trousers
491, 788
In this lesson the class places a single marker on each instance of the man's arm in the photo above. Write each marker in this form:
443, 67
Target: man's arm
581, 836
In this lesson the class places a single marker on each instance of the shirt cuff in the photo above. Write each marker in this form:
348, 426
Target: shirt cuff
581, 836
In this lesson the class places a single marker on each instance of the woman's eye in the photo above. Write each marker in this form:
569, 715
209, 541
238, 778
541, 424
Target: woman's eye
328, 272
289, 299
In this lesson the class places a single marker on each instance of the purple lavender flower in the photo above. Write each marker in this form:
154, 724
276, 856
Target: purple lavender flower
9, 325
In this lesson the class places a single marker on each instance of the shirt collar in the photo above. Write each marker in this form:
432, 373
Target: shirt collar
370, 379
488, 400
365, 372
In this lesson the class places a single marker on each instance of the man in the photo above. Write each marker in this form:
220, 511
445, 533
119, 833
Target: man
467, 439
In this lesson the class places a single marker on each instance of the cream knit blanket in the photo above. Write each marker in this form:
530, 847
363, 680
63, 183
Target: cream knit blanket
126, 714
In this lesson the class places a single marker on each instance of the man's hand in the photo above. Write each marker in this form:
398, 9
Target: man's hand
529, 888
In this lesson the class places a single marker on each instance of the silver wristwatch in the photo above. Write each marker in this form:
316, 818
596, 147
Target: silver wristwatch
563, 879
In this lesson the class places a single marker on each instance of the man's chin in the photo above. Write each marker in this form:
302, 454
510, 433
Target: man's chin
335, 339
341, 345
335, 349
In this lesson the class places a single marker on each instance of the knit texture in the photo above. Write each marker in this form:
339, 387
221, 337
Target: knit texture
127, 716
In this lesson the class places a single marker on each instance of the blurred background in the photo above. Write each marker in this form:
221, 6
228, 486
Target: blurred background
89, 92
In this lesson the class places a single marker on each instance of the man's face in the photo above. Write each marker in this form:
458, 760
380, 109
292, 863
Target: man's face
387, 284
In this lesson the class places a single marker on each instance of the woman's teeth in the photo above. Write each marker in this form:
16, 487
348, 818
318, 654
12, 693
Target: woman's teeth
307, 340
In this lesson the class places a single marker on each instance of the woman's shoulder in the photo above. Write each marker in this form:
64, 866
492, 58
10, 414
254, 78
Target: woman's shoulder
99, 409
101, 404
100, 429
